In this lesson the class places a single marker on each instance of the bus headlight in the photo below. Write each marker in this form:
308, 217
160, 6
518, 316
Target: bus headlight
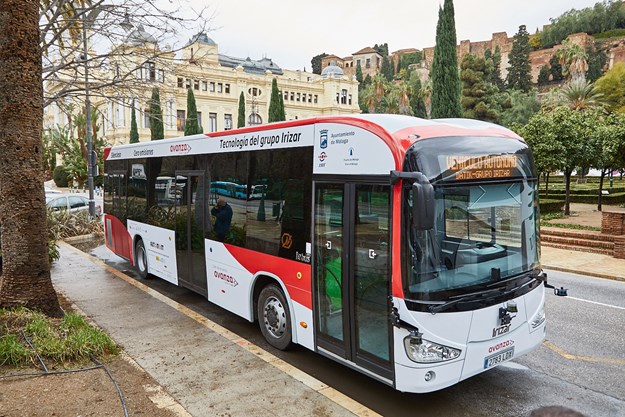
538, 319
424, 351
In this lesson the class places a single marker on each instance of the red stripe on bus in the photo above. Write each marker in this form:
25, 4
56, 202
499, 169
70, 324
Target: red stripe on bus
296, 276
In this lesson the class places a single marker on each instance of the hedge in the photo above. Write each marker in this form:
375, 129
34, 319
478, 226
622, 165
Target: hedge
551, 206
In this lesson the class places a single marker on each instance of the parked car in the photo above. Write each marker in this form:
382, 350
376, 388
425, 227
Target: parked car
49, 190
73, 203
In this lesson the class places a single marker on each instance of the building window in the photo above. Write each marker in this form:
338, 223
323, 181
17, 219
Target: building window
254, 119
316, 99
343, 96
292, 96
169, 108
220, 88
161, 76
212, 87
180, 120
188, 83
150, 71
120, 116
310, 98
180, 82
139, 73
204, 86
146, 118
368, 63
227, 121
298, 97
199, 121
196, 84
350, 100
227, 88
212, 120
286, 95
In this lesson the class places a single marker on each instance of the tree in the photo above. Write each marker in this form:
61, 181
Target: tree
555, 69
157, 130
543, 74
519, 72
597, 58
381, 49
241, 115
359, 77
134, 131
477, 93
192, 124
612, 86
573, 59
608, 139
520, 108
25, 279
276, 106
416, 97
445, 79
386, 69
121, 48
316, 63
579, 94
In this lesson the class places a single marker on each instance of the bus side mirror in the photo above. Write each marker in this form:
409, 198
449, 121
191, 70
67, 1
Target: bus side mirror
422, 203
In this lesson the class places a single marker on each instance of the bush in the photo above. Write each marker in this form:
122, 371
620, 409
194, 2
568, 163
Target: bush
60, 176
551, 206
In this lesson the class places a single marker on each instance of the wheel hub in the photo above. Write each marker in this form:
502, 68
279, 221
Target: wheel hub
274, 317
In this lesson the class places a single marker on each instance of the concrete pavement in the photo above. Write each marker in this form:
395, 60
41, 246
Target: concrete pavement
584, 263
207, 369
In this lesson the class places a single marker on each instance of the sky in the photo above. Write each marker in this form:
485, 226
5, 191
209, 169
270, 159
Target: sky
291, 32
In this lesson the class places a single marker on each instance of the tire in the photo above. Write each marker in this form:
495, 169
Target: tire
274, 317
141, 260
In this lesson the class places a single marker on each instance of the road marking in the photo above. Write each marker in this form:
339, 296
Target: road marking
333, 395
596, 302
572, 357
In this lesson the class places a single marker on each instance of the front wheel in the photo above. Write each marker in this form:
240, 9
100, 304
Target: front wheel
141, 259
274, 317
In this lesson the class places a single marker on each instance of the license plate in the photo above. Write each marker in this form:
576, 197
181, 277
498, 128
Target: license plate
498, 358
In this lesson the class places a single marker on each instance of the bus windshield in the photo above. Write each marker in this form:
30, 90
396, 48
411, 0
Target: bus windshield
484, 231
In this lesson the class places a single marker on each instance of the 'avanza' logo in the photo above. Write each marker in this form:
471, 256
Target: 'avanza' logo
180, 148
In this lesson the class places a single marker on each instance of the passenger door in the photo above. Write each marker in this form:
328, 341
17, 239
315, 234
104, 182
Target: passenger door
352, 274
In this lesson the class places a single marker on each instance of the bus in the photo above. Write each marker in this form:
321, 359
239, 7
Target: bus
403, 248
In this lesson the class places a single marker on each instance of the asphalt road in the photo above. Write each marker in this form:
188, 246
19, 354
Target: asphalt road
581, 365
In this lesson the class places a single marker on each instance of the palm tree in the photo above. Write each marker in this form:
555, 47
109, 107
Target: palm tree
404, 91
578, 94
574, 60
25, 279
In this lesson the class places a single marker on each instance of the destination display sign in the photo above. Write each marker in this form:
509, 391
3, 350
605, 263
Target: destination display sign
471, 167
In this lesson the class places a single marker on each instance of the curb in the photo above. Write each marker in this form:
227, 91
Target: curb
589, 273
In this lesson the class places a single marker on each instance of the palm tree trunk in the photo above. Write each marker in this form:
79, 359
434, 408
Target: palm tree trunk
25, 279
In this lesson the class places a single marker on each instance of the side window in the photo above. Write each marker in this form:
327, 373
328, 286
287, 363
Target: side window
59, 203
279, 201
75, 202
228, 181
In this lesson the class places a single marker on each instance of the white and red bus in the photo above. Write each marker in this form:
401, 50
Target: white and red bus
406, 249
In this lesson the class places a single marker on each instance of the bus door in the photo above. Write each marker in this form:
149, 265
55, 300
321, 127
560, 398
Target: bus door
191, 227
352, 274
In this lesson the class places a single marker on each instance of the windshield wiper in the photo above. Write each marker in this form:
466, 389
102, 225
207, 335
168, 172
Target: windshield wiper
469, 297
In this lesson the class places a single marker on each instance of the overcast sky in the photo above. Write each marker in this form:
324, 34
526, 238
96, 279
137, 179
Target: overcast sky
291, 32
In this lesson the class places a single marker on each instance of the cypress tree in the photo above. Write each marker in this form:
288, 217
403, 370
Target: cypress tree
191, 126
359, 77
157, 130
276, 106
241, 115
519, 75
386, 69
445, 79
134, 131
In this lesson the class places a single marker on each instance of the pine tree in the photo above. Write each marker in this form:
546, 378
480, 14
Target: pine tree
519, 72
191, 126
445, 79
157, 130
241, 115
276, 110
556, 69
134, 131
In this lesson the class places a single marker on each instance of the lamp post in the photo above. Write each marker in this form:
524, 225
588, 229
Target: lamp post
91, 156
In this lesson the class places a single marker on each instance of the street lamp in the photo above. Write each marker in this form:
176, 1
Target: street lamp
87, 20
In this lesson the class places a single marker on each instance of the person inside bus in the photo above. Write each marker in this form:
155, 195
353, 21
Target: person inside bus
223, 217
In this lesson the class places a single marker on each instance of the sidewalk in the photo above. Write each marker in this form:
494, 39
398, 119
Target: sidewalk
206, 368
584, 263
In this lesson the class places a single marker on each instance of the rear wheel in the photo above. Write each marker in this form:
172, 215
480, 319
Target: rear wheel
141, 259
274, 317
